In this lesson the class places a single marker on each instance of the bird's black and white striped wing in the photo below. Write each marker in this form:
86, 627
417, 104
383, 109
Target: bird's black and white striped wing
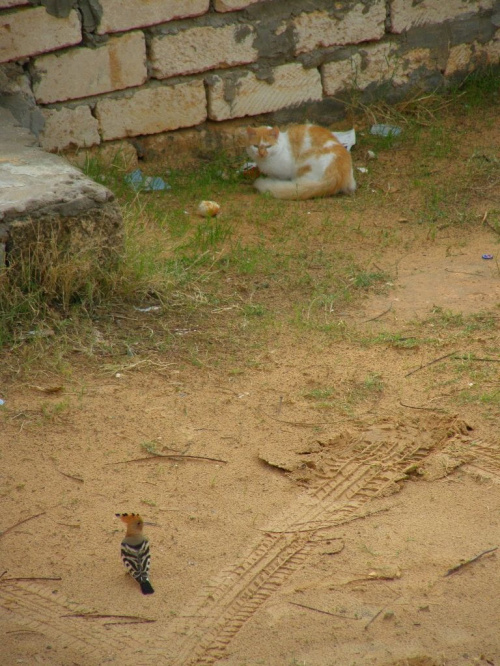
137, 559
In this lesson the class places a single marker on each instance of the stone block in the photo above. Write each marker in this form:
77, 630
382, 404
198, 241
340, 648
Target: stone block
492, 50
406, 15
5, 4
69, 128
459, 60
31, 31
152, 110
465, 58
373, 64
246, 95
120, 15
319, 29
82, 72
111, 154
49, 209
200, 49
232, 5
186, 147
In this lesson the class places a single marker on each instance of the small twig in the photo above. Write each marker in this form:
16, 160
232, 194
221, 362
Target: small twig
436, 360
467, 562
374, 617
379, 315
144, 621
70, 476
430, 409
303, 424
487, 360
490, 226
325, 527
34, 578
168, 456
69, 524
463, 272
99, 616
21, 522
319, 610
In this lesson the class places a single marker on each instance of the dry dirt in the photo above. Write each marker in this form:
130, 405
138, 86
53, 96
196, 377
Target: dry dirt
293, 534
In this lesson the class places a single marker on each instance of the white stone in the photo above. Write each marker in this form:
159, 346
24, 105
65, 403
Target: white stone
34, 181
31, 31
82, 72
406, 15
69, 128
200, 49
318, 29
249, 96
120, 15
232, 5
5, 4
152, 110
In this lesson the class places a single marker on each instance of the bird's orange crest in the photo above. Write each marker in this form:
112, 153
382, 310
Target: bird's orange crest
129, 518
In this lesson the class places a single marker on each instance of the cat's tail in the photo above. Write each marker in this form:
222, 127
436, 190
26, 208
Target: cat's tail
304, 188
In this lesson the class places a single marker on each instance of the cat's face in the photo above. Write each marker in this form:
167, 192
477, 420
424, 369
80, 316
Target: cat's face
260, 141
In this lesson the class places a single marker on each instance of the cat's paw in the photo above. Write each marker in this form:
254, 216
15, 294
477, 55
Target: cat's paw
262, 184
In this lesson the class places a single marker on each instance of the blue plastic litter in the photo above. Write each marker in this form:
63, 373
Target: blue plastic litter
2, 402
141, 183
487, 256
385, 130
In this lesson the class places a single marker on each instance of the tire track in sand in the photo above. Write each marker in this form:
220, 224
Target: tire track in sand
361, 472
486, 461
40, 610
347, 479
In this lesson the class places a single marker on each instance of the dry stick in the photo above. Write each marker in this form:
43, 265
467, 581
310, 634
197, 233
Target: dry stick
171, 457
70, 476
490, 226
488, 360
365, 321
473, 559
99, 616
374, 617
111, 624
430, 409
318, 610
436, 360
463, 273
325, 527
304, 424
34, 578
21, 522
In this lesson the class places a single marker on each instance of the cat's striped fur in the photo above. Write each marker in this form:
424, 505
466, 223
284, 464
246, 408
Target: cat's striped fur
302, 162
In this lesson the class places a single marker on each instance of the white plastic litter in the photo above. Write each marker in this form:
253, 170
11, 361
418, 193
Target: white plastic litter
347, 139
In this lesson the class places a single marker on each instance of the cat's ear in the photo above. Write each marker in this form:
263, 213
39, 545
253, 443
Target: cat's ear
251, 132
275, 132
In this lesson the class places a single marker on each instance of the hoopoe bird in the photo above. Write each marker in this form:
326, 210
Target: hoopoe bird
135, 551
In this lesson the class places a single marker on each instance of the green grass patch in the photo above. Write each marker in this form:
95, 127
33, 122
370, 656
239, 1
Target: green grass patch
196, 287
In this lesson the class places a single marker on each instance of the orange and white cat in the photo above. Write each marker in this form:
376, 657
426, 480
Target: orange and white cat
303, 162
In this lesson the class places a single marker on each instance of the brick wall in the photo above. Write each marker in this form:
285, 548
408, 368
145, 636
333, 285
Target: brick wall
84, 73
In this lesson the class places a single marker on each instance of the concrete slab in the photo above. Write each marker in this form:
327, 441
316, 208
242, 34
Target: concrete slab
41, 194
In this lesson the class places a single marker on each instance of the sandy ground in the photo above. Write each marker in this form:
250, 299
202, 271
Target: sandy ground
286, 532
